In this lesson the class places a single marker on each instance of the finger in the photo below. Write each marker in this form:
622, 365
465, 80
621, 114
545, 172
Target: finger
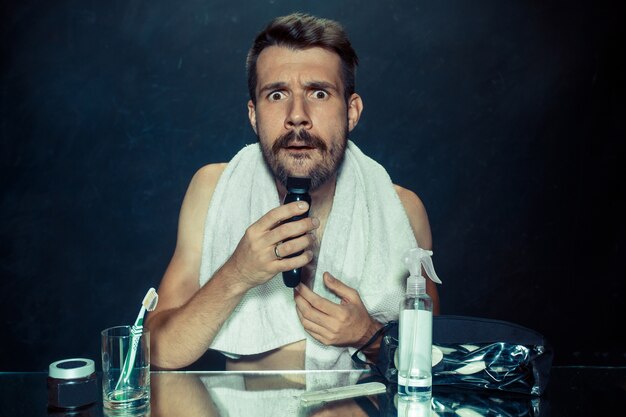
314, 320
287, 264
327, 307
314, 329
281, 213
296, 245
307, 311
291, 230
345, 293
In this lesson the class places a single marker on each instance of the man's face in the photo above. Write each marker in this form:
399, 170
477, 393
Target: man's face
301, 117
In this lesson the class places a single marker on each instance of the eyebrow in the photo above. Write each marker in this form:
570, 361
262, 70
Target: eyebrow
311, 85
320, 85
273, 86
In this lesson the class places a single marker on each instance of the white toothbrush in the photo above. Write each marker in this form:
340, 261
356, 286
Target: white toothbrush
149, 303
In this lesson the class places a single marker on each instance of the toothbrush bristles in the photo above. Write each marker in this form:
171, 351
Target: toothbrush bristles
150, 300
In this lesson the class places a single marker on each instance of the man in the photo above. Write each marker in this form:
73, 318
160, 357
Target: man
223, 287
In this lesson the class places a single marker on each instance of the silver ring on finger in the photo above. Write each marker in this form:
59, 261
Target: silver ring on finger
276, 251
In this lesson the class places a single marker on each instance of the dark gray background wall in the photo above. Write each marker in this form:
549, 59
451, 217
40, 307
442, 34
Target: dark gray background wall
506, 117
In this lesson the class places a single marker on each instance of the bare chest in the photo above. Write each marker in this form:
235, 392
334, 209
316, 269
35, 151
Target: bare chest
309, 270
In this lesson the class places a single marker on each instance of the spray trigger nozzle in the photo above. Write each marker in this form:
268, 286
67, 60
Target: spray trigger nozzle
415, 258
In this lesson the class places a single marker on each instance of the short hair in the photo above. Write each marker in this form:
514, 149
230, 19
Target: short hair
303, 31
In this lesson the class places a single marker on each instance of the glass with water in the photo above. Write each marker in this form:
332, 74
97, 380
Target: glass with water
125, 369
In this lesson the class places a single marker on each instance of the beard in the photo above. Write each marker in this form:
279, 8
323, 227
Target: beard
319, 172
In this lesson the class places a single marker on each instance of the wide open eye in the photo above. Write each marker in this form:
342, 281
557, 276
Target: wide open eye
320, 94
276, 96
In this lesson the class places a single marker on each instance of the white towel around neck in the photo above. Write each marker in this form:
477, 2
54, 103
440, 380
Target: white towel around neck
365, 236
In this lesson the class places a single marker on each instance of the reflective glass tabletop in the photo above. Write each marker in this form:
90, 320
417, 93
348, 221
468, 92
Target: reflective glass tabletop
573, 391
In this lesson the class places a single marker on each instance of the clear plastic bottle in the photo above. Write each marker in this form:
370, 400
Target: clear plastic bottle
414, 373
416, 318
410, 407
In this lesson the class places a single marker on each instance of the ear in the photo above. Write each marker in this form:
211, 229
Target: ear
252, 115
355, 107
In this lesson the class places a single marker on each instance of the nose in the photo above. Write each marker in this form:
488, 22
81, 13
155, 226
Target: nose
298, 114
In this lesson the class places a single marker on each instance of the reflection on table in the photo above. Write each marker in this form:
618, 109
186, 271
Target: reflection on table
573, 391
279, 395
243, 395
251, 394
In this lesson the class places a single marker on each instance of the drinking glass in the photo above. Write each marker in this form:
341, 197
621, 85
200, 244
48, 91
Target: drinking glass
125, 369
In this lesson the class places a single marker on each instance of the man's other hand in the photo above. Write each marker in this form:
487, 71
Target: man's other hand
345, 324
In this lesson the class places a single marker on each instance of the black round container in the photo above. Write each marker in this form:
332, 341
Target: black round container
72, 384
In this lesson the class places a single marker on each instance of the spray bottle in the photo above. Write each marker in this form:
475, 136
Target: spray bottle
416, 321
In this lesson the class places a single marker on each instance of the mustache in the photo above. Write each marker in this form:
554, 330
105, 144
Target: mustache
303, 137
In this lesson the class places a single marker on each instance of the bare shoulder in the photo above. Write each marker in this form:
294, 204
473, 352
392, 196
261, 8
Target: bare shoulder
416, 212
409, 199
202, 185
196, 204
206, 178
212, 170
